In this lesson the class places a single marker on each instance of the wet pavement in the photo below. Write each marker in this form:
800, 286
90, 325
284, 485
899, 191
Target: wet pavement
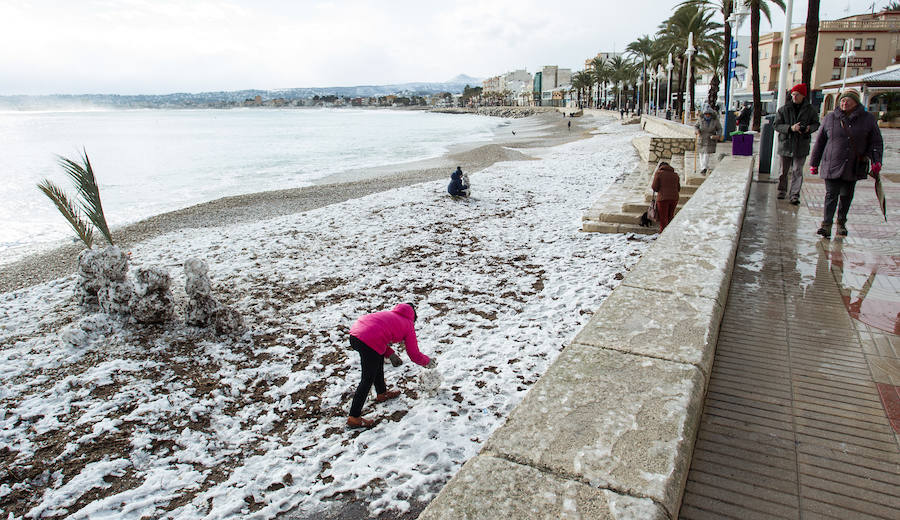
802, 415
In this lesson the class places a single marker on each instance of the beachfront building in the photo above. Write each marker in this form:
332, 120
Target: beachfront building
876, 90
511, 84
875, 43
551, 78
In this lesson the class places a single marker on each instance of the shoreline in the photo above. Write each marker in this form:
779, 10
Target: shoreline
539, 131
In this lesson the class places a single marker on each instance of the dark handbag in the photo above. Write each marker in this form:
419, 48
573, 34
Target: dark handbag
652, 213
861, 163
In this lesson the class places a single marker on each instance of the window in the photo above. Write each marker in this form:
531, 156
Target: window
839, 44
764, 78
867, 70
836, 73
857, 44
870, 44
854, 72
796, 48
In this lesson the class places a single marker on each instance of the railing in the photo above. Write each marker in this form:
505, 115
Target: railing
858, 25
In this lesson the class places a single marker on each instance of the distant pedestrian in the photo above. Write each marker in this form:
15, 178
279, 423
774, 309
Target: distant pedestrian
456, 187
371, 335
743, 117
707, 130
667, 186
848, 140
795, 122
570, 126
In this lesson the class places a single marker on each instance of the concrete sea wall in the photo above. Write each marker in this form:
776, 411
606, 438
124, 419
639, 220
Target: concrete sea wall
608, 431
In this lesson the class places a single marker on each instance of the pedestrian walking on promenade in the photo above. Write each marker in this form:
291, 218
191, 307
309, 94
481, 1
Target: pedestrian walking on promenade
708, 129
795, 122
743, 117
848, 141
667, 186
371, 335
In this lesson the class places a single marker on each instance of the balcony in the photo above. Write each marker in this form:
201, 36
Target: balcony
859, 25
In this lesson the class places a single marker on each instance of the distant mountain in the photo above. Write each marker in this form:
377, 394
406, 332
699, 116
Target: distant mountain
233, 97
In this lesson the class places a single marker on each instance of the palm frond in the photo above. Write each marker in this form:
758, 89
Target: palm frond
88, 191
69, 210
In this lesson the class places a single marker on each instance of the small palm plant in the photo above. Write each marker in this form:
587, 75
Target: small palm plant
88, 200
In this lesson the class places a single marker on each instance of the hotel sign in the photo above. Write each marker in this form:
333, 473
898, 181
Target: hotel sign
854, 62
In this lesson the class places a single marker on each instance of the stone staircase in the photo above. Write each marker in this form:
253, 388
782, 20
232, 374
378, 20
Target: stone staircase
620, 209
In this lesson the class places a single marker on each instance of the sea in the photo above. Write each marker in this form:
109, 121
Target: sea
152, 161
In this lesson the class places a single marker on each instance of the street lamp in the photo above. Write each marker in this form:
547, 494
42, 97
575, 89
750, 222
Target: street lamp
660, 75
735, 20
846, 55
690, 53
669, 68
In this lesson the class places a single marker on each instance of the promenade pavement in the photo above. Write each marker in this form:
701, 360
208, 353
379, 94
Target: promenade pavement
802, 413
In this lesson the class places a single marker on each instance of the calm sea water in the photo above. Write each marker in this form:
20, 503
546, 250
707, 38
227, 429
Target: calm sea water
152, 161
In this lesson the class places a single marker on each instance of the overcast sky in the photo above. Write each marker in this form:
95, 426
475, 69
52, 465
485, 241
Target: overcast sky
162, 46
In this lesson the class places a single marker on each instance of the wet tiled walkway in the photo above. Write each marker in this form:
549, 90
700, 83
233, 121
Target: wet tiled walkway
802, 414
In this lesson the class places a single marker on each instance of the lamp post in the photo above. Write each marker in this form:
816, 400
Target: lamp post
669, 68
687, 86
660, 75
735, 20
782, 73
846, 55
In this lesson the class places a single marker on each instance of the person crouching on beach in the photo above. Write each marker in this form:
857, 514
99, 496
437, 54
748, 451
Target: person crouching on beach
458, 187
371, 335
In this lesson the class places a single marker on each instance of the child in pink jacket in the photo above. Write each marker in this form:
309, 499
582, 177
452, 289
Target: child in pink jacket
371, 335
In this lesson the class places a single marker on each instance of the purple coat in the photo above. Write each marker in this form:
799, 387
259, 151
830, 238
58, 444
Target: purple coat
832, 153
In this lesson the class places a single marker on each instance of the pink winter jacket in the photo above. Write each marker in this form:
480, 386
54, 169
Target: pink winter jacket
380, 329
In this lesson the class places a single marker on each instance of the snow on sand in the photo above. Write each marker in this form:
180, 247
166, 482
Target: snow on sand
104, 420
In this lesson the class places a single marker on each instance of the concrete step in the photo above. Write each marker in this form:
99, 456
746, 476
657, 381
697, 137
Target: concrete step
625, 217
640, 207
603, 227
682, 199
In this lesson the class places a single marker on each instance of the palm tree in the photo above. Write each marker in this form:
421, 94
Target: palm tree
580, 81
644, 48
88, 200
810, 42
725, 7
621, 71
708, 59
673, 34
601, 76
757, 6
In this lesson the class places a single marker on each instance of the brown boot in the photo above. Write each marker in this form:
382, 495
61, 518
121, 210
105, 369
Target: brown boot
841, 228
386, 396
359, 422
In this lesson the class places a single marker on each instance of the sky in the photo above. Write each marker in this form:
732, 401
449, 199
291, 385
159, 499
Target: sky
164, 46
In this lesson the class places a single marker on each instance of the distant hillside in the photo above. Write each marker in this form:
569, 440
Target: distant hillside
229, 98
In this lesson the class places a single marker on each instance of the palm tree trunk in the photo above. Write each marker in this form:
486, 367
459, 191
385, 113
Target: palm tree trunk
754, 59
810, 43
693, 83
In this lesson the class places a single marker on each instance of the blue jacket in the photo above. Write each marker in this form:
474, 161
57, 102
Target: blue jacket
456, 187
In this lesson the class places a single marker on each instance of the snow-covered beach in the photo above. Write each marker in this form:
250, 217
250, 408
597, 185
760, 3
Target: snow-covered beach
101, 419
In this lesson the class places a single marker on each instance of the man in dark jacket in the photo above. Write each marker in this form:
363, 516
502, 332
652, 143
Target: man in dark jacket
743, 117
849, 139
795, 123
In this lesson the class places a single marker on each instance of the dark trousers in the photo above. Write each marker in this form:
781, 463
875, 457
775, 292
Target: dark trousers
838, 194
666, 212
372, 373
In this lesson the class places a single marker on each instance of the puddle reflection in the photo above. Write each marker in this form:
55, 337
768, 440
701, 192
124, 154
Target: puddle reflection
868, 284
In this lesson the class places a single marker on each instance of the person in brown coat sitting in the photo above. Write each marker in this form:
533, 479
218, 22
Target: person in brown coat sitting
667, 186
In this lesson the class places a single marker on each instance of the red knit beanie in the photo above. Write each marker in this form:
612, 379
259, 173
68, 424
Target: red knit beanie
801, 88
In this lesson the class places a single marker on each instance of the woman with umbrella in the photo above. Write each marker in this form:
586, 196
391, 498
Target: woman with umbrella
848, 140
